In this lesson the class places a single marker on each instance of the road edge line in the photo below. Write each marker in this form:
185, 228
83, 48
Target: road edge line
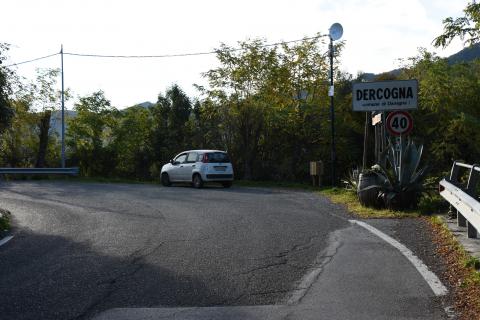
5, 240
433, 281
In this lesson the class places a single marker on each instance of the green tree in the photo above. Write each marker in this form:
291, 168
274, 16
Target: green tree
270, 130
6, 110
170, 127
448, 116
467, 28
43, 98
236, 86
131, 137
18, 144
89, 135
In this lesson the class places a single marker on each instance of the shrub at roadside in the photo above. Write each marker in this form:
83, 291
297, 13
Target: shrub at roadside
4, 220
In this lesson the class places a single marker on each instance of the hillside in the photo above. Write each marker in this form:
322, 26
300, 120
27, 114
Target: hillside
465, 55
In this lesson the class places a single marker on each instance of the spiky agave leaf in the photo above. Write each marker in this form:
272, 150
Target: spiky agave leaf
401, 186
419, 157
418, 177
409, 161
389, 154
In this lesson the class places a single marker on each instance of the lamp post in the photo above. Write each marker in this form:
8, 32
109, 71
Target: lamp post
335, 32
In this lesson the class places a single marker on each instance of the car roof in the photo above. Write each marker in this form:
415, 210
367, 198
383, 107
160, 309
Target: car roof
199, 151
203, 150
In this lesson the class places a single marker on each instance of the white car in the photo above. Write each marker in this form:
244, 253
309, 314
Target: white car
198, 167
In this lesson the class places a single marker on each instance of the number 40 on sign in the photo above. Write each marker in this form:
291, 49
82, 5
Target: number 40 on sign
399, 123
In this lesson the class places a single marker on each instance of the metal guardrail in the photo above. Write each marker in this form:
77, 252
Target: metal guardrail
463, 196
69, 171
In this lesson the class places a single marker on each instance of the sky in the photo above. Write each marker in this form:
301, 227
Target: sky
377, 33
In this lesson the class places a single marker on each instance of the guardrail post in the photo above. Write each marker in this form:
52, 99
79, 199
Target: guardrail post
472, 181
471, 190
454, 173
471, 231
461, 221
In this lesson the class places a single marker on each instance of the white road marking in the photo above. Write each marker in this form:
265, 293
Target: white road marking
5, 240
435, 284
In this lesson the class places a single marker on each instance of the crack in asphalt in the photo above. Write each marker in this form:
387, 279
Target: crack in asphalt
136, 257
264, 267
285, 261
334, 245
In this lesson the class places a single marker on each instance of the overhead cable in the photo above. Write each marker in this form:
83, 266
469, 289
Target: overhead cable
36, 59
180, 54
160, 56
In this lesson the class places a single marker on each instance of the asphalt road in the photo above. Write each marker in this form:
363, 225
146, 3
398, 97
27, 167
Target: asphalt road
81, 249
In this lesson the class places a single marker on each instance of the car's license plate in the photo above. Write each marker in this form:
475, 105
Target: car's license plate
220, 168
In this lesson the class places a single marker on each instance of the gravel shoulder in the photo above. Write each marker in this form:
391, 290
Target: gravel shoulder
416, 234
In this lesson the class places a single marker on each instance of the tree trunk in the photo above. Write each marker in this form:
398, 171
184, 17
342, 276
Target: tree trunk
44, 126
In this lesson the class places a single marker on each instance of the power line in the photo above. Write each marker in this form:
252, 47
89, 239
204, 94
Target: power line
163, 55
36, 59
182, 54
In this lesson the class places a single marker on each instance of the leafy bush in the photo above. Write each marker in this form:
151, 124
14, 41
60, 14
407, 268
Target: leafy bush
4, 220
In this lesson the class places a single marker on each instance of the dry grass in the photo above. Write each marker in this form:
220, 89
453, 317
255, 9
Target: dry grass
461, 271
350, 200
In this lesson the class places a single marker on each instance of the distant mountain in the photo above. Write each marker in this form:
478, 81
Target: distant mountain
465, 55
146, 104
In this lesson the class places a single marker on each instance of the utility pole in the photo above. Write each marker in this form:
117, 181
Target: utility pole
335, 32
332, 115
63, 112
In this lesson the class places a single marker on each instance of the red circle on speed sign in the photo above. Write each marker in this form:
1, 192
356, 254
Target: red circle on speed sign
399, 123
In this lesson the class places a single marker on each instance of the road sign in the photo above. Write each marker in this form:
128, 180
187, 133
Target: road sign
376, 119
399, 123
385, 95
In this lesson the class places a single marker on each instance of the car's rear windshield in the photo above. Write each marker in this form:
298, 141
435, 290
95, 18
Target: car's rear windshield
221, 157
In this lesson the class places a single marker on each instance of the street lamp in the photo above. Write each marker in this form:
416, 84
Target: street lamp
335, 32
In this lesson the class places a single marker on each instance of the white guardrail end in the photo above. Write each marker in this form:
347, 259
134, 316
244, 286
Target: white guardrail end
465, 204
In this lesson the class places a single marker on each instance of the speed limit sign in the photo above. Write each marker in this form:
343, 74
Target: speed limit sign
399, 123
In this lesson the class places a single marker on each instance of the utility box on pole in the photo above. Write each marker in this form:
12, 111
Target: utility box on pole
316, 172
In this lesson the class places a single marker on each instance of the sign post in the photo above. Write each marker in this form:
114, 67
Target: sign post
381, 97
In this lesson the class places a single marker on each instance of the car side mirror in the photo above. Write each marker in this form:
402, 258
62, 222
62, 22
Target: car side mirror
171, 161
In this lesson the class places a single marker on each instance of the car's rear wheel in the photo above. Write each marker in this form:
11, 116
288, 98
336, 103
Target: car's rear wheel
166, 180
197, 181
227, 184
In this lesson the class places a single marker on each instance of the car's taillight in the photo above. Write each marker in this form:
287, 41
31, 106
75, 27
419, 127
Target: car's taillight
205, 158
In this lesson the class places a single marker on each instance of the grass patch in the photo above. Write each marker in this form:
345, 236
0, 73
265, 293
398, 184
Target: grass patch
350, 200
432, 204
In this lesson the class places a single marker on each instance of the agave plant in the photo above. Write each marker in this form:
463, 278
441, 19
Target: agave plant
351, 182
398, 176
